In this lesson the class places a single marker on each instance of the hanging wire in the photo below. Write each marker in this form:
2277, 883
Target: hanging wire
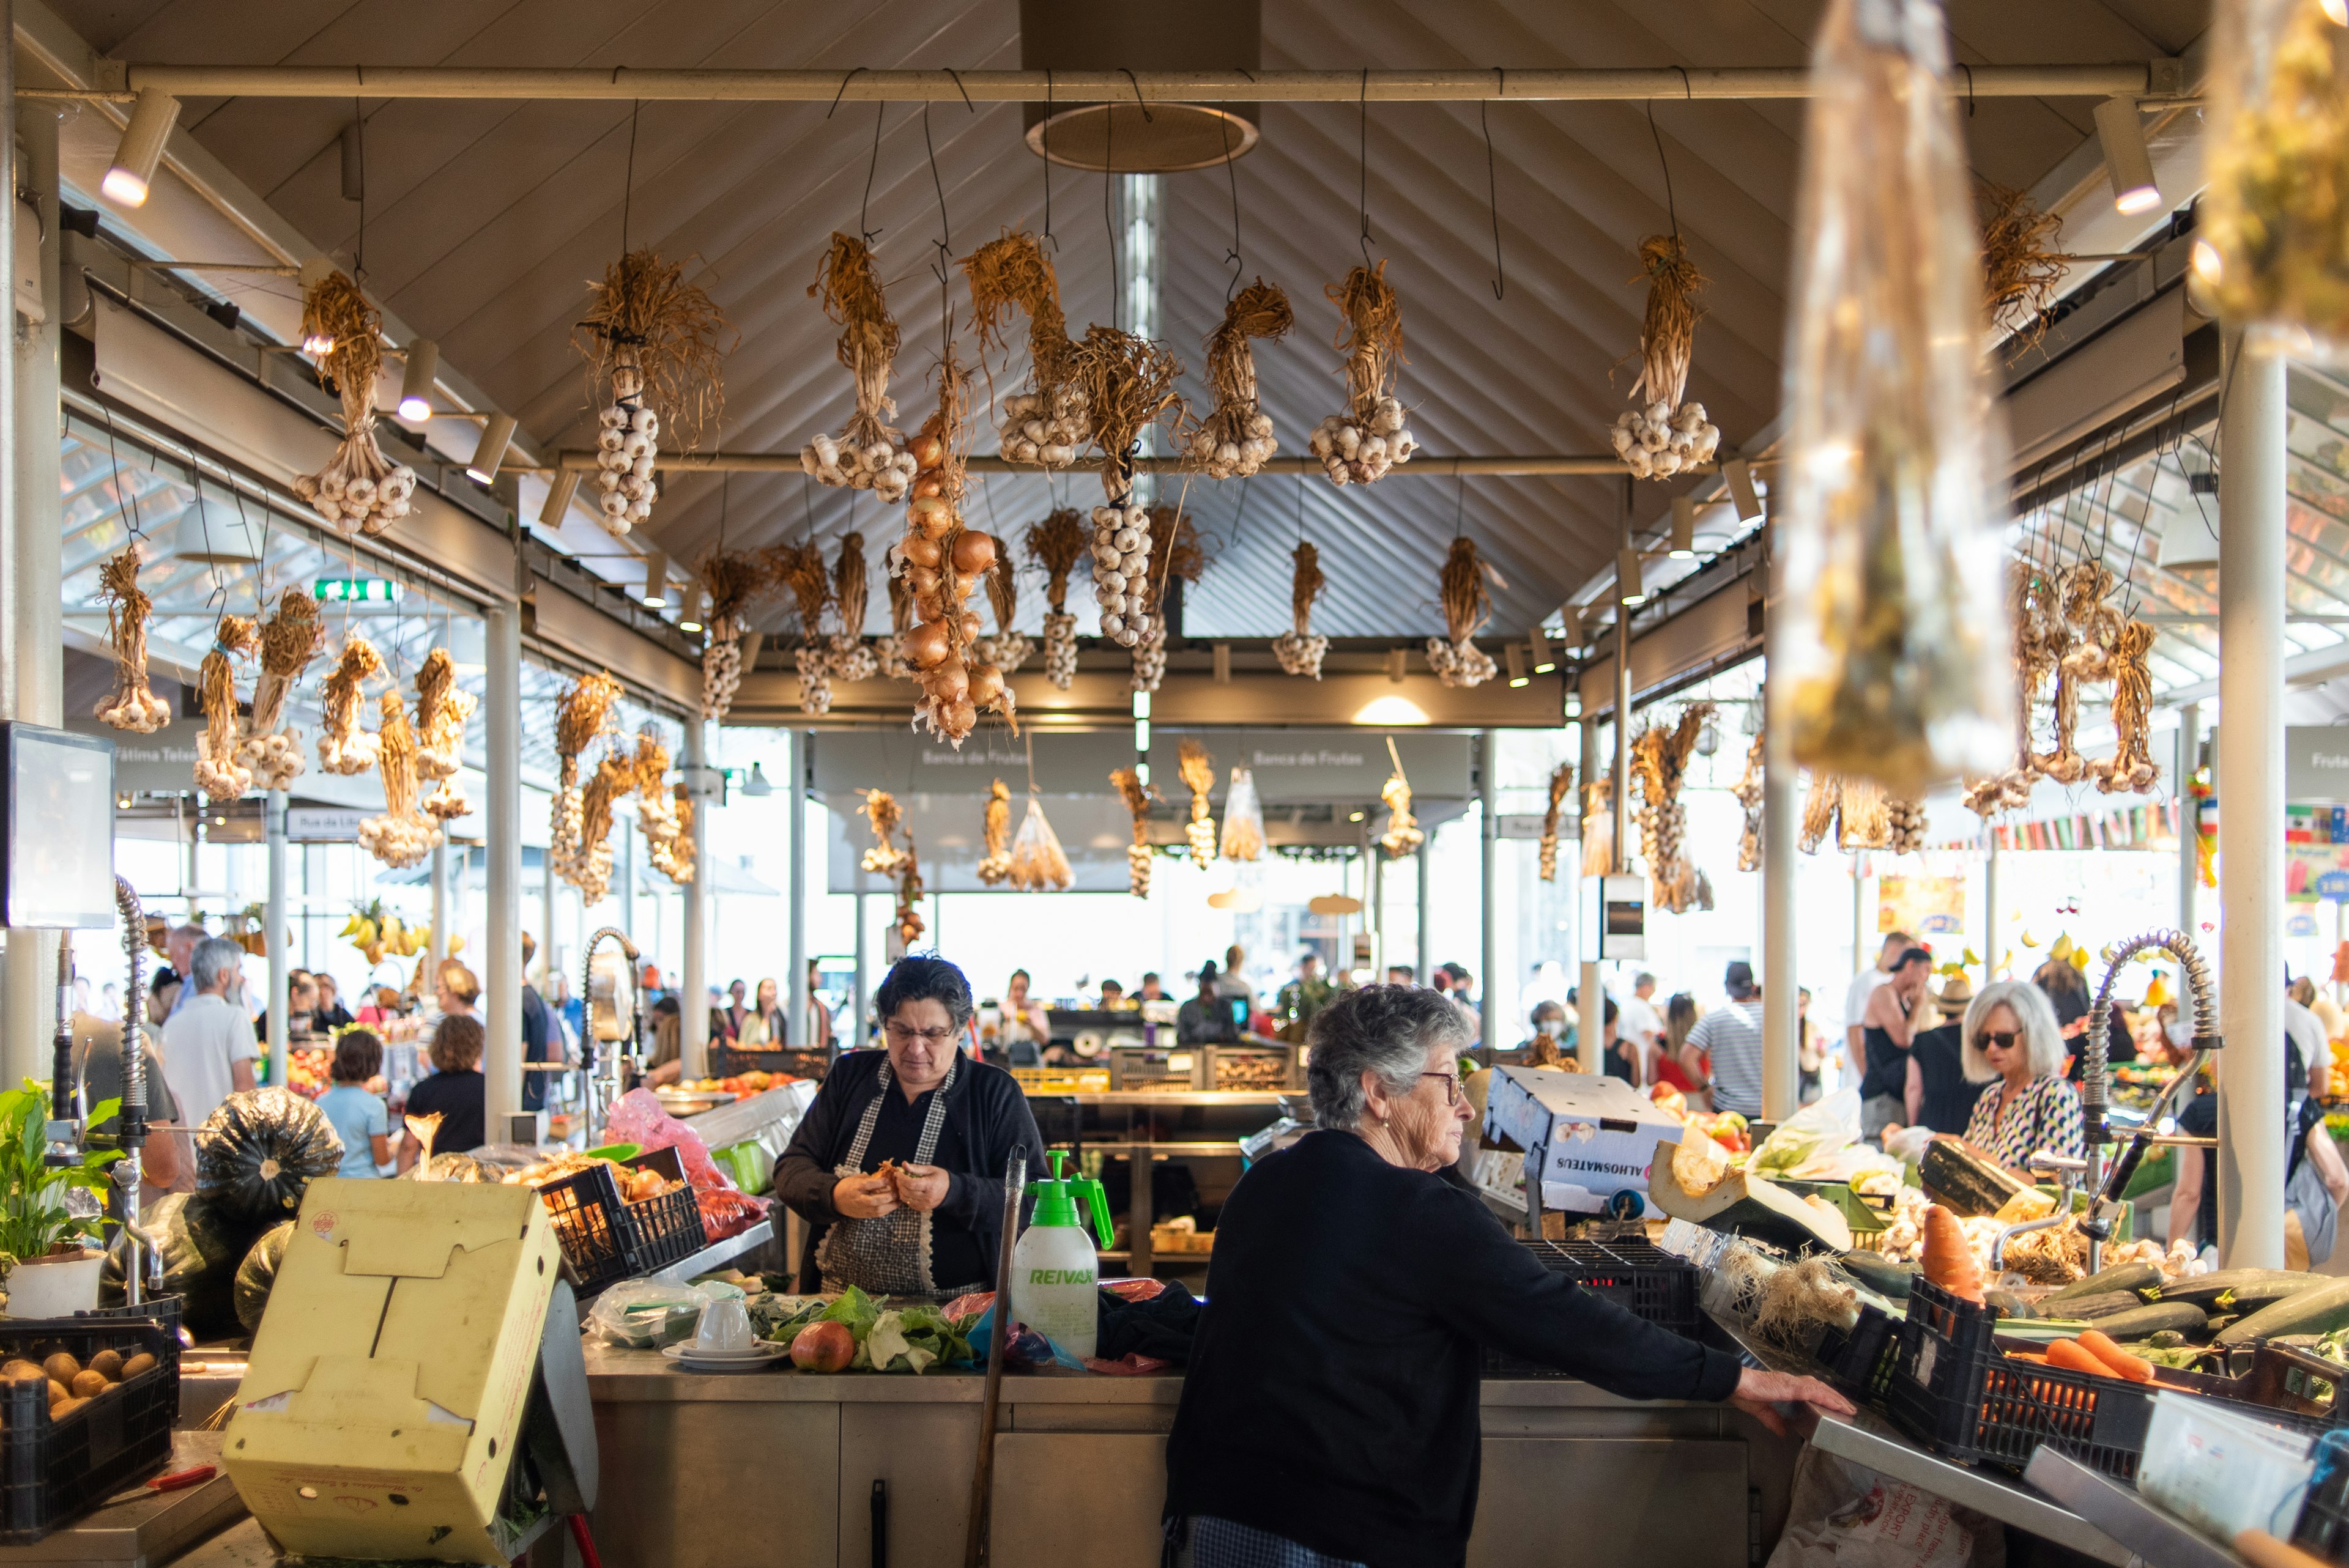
1493, 187
1239, 515
1109, 217
725, 490
864, 208
1671, 210
1300, 509
945, 242
628, 180
1044, 136
1363, 155
359, 251
125, 500
807, 502
1459, 506
1231, 170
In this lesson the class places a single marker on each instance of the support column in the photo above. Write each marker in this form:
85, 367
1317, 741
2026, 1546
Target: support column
1424, 867
1990, 910
1488, 834
856, 1036
273, 934
1622, 863
796, 799
1782, 1080
32, 645
501, 924
693, 983
435, 949
626, 828
2190, 836
1590, 1002
2251, 822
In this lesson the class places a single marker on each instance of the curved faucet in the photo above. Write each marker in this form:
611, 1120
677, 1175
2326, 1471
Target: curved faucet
2104, 1188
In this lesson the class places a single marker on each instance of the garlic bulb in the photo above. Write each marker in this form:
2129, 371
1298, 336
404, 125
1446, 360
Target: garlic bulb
1060, 650
1120, 535
627, 445
1047, 429
221, 778
722, 668
1360, 453
882, 465
1460, 664
815, 679
398, 841
359, 490
274, 760
448, 802
1007, 650
1657, 442
1300, 654
1150, 655
850, 660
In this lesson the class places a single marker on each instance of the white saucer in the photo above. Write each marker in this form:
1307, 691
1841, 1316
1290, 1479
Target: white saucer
689, 1355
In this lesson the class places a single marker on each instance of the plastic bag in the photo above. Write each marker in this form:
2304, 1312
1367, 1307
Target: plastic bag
1815, 1132
1243, 819
750, 1164
645, 1314
638, 1118
1892, 496
1844, 1515
2273, 223
1039, 864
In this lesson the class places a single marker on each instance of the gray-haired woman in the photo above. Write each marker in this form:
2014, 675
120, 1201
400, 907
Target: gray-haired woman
1329, 1414
2010, 1031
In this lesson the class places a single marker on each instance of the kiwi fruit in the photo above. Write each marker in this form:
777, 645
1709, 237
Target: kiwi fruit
143, 1362
61, 1368
107, 1364
88, 1385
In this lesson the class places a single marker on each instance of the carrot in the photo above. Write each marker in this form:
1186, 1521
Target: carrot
1948, 1261
2067, 1354
2026, 1356
2136, 1368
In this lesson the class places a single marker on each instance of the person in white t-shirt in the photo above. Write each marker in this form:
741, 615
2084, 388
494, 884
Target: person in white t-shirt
208, 1047
1863, 985
1640, 1024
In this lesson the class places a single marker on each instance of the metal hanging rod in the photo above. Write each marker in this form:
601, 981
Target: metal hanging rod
1421, 464
2158, 78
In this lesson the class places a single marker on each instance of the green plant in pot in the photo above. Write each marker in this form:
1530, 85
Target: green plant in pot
50, 1273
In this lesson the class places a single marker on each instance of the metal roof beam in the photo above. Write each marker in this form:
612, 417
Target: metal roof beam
1421, 464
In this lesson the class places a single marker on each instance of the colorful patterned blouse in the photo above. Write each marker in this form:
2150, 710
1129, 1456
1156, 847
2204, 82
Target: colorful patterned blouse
2045, 1115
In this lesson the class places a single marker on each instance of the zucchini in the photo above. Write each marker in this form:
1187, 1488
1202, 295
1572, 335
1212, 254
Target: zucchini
2139, 1322
2249, 1289
2008, 1305
2104, 1304
2318, 1311
1880, 1274
1964, 1181
2122, 1276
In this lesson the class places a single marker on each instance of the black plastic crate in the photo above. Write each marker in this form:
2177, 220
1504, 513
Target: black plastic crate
605, 1240
802, 1062
51, 1471
1639, 1275
1860, 1360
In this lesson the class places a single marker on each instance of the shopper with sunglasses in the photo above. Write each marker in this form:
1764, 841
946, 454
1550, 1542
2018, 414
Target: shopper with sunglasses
2011, 1032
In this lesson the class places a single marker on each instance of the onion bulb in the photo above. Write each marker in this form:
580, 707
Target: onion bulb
929, 484
974, 553
927, 449
986, 684
949, 682
925, 643
930, 515
962, 715
922, 579
970, 625
923, 553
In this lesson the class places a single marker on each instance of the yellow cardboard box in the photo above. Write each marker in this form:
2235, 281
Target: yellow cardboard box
380, 1408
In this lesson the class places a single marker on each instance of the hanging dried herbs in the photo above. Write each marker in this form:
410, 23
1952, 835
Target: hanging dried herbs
584, 714
1057, 545
851, 587
1660, 759
2021, 269
869, 453
1137, 797
1371, 435
650, 340
882, 812
995, 866
1235, 439
732, 579
343, 746
289, 640
800, 570
134, 707
1561, 785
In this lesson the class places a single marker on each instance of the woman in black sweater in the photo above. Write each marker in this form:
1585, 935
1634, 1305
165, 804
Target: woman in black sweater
1330, 1405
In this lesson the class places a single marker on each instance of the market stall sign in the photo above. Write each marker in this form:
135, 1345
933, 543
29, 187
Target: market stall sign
324, 824
1927, 905
1311, 767
2332, 886
355, 590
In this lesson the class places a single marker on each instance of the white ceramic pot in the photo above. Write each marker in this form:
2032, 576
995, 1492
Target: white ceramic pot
55, 1286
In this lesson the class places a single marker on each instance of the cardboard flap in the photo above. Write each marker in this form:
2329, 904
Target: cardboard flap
340, 1384
418, 1244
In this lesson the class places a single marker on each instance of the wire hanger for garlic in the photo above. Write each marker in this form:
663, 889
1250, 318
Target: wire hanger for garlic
1403, 834
1057, 545
1661, 434
1137, 796
1050, 423
133, 706
1235, 439
650, 340
1357, 445
359, 490
869, 453
1467, 606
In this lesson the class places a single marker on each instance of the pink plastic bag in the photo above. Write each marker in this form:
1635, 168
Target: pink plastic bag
639, 1118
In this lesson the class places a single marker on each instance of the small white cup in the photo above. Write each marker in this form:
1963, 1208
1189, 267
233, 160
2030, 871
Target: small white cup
725, 1326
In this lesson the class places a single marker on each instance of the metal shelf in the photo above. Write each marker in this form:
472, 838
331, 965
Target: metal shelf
1230, 1147
716, 1252
1879, 1450
2156, 1535
1173, 1097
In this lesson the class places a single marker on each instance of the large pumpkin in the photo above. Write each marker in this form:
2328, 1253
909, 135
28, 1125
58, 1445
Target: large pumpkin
257, 1153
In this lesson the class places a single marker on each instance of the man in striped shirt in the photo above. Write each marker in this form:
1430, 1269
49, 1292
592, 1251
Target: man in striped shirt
1731, 1038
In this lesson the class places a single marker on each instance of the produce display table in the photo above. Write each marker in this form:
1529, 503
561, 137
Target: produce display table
780, 1470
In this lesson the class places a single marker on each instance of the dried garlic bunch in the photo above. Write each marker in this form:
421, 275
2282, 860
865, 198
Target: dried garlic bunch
219, 774
1467, 606
343, 746
1008, 649
662, 816
1038, 863
441, 709
1358, 446
650, 339
1904, 824
850, 586
584, 714
271, 747
1198, 774
359, 490
732, 579
591, 857
1050, 423
881, 809
868, 454
1599, 826
401, 836
1748, 791
448, 802
134, 707
1659, 756
2131, 769
889, 652
1130, 382
2037, 628
1299, 651
1175, 555
1137, 796
909, 896
1561, 785
1057, 545
1235, 439
995, 866
1662, 435
1403, 834
1121, 569
800, 569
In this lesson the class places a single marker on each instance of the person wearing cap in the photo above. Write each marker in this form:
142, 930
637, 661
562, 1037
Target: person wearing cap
1730, 1036
1886, 1029
1940, 1093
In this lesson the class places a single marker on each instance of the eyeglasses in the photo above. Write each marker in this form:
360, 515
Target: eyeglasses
1451, 1086
2001, 1039
900, 1035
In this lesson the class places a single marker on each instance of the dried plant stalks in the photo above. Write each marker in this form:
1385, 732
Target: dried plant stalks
1039, 864
909, 897
1372, 435
2031, 619
1137, 797
650, 340
272, 748
2021, 268
850, 590
1057, 545
732, 579
134, 707
402, 836
584, 714
869, 453
1660, 760
995, 866
1467, 606
1299, 651
881, 810
1236, 438
442, 710
1197, 769
1819, 806
1661, 434
359, 490
664, 816
1748, 791
1130, 385
2131, 769
1561, 785
219, 774
1050, 423
343, 746
1599, 826
800, 569
1403, 834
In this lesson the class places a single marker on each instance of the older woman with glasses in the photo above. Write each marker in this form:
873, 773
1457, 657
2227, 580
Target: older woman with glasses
1329, 1415
2010, 1033
898, 1165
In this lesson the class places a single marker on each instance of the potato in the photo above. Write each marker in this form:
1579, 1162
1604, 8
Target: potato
20, 1370
61, 1367
108, 1364
59, 1412
143, 1362
58, 1393
89, 1385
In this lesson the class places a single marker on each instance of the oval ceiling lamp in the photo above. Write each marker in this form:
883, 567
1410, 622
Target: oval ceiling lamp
1334, 903
1129, 137
1237, 900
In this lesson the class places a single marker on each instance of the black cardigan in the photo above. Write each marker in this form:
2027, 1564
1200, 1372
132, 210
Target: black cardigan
986, 1117
1332, 1391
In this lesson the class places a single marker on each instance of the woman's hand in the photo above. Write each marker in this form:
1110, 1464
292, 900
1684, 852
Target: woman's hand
865, 1197
1759, 1394
922, 1188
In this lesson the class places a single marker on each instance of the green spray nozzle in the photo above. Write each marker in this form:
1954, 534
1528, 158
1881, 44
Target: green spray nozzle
1057, 1195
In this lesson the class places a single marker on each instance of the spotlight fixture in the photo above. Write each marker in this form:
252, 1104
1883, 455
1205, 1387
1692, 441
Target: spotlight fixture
757, 784
2122, 136
656, 581
1627, 577
1354, 817
558, 497
1396, 658
1742, 493
1683, 528
689, 619
1544, 660
497, 434
1514, 658
141, 148
224, 313
416, 382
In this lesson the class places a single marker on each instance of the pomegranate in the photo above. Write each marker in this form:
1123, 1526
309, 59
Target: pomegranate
824, 1348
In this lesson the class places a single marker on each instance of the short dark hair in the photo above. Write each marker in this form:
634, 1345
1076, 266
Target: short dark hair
924, 977
1613, 1010
457, 1044
1113, 985
358, 1056
1148, 975
1913, 956
1738, 978
1022, 975
1385, 1029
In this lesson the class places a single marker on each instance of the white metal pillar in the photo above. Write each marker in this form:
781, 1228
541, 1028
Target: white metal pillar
2189, 835
501, 924
856, 1036
1989, 909
1489, 833
437, 949
693, 980
273, 935
1782, 1080
796, 797
2252, 1144
1423, 868
1590, 1002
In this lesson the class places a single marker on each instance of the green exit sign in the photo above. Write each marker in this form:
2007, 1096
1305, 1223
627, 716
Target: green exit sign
356, 590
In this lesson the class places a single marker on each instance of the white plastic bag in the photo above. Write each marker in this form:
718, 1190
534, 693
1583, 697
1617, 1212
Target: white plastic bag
1848, 1516
1819, 1130
645, 1314
1243, 819
1038, 863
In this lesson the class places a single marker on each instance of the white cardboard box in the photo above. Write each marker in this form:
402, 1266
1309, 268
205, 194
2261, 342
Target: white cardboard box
1596, 1134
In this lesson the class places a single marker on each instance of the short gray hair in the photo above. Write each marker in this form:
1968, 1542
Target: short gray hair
1383, 1029
215, 956
2043, 1037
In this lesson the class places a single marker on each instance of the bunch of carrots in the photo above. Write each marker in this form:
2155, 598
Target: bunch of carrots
1950, 1263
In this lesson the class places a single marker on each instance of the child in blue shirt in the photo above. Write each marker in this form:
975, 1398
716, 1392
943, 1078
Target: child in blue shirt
358, 1116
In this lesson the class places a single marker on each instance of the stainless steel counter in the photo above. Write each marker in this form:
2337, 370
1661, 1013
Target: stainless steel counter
777, 1469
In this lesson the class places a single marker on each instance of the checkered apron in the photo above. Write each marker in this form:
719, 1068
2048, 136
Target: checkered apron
889, 1255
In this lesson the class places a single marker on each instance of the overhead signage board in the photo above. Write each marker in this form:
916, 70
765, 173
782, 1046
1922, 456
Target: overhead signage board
1306, 767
